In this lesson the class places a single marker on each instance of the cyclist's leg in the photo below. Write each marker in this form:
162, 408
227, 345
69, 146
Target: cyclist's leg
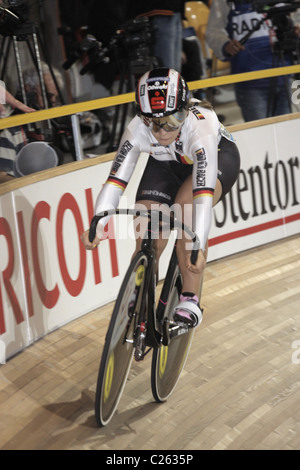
229, 165
188, 309
191, 282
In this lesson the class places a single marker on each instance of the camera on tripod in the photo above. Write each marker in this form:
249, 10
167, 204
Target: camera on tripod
12, 16
97, 54
131, 43
134, 39
279, 13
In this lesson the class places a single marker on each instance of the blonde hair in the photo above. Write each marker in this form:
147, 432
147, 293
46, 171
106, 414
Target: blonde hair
203, 103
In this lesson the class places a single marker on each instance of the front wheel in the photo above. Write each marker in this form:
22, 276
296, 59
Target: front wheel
168, 361
119, 343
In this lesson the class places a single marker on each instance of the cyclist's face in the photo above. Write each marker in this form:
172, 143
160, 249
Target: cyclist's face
164, 133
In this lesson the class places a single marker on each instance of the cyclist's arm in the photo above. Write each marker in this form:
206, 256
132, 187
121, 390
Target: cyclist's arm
204, 182
121, 171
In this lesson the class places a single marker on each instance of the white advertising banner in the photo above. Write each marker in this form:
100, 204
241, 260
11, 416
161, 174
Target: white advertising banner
264, 204
47, 278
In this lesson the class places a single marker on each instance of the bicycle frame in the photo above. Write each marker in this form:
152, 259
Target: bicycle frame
158, 332
136, 322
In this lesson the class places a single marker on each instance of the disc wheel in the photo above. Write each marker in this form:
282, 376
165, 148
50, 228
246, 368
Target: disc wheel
168, 361
119, 343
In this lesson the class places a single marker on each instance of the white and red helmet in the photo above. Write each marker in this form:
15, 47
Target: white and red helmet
162, 92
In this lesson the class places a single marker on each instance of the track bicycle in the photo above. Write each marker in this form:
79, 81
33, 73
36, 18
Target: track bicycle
138, 325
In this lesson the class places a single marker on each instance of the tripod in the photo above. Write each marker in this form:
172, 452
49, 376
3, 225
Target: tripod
29, 33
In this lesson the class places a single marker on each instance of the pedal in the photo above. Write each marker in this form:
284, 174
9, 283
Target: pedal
166, 332
140, 342
181, 329
172, 329
177, 329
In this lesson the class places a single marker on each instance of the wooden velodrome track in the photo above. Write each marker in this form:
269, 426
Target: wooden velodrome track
240, 388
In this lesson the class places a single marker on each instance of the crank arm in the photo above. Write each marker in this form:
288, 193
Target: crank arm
172, 329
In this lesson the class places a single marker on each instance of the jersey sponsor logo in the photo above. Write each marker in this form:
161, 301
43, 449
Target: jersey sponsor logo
115, 168
158, 153
201, 167
120, 157
149, 192
125, 149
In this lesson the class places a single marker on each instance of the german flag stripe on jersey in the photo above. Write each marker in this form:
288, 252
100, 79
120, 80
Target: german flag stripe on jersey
116, 182
203, 192
197, 113
184, 159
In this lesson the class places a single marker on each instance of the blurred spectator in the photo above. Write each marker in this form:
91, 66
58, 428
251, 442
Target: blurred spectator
12, 103
166, 18
33, 88
18, 156
192, 60
13, 138
236, 32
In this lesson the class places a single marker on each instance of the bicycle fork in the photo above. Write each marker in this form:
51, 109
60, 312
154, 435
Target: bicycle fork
138, 314
148, 295
142, 321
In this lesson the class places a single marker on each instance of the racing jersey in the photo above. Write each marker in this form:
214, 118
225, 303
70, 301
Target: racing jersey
196, 145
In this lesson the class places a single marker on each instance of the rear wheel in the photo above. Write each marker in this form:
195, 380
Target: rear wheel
119, 343
169, 360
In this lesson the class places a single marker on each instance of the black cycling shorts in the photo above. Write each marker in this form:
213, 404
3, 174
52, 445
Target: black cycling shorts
161, 180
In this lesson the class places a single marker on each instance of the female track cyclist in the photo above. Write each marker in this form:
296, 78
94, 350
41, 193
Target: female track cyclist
193, 162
